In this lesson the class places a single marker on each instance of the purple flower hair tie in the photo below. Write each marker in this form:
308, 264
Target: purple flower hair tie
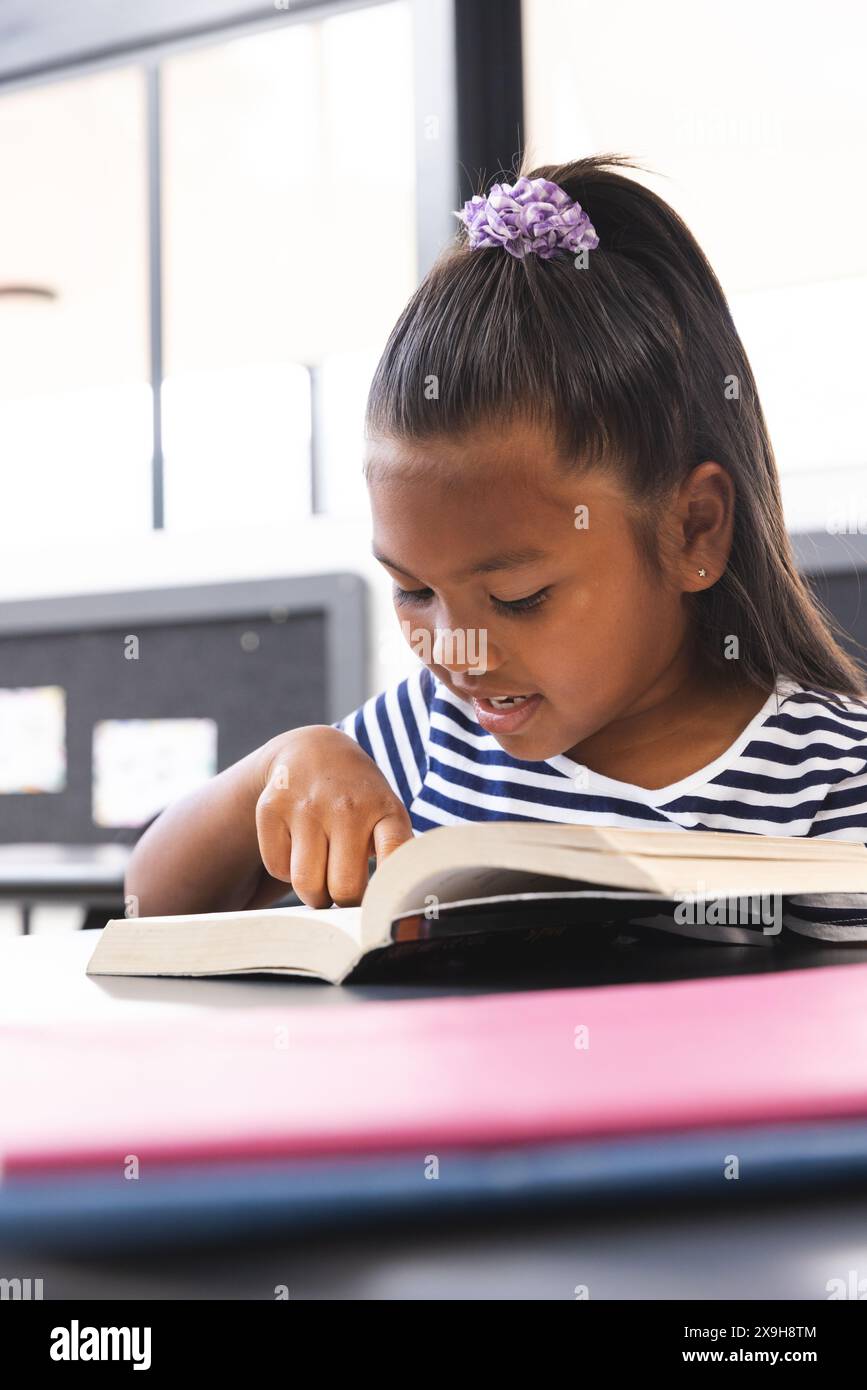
530, 217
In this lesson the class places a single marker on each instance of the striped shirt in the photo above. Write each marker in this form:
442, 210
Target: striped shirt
798, 768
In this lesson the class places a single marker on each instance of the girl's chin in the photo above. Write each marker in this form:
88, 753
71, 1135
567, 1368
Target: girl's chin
533, 744
536, 744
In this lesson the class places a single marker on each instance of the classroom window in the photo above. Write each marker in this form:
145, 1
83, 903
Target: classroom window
75, 414
272, 278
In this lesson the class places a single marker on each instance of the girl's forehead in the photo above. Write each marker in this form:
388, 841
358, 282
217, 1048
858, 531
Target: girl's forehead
499, 475
517, 459
443, 520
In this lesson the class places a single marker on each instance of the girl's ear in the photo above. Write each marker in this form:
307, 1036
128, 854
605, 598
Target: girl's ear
705, 512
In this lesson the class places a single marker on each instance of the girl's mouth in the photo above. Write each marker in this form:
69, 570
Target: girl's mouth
505, 714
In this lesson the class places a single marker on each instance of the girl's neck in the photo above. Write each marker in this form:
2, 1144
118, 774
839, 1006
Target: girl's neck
680, 730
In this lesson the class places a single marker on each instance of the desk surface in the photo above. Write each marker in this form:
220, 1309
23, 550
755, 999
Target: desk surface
42, 978
783, 1248
69, 871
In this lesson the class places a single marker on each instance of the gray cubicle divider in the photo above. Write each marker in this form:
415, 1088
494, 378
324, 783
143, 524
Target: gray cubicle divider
256, 656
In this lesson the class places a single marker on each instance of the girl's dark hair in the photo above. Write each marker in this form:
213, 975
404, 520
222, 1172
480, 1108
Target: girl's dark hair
632, 362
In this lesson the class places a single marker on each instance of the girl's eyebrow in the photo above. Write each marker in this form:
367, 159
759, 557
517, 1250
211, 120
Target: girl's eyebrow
502, 560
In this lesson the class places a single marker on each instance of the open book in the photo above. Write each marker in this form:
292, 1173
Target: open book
457, 882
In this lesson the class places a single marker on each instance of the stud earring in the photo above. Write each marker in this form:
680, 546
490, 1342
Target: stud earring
702, 574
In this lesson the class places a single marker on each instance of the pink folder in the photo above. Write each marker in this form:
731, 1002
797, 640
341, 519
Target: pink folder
419, 1076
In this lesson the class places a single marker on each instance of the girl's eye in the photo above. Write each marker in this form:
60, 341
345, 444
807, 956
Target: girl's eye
411, 595
520, 605
517, 605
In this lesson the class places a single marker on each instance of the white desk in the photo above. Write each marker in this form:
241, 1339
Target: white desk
43, 979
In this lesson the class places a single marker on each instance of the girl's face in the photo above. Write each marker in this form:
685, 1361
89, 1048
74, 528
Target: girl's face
512, 578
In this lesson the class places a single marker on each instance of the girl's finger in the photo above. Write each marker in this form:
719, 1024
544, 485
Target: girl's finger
348, 847
308, 865
389, 832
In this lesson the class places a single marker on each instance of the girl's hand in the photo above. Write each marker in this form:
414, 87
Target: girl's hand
325, 808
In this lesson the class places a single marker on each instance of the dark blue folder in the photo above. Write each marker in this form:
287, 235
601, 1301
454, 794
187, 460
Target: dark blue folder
93, 1210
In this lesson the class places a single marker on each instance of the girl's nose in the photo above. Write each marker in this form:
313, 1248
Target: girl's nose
459, 649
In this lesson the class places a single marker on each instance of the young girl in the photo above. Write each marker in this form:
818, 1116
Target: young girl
575, 496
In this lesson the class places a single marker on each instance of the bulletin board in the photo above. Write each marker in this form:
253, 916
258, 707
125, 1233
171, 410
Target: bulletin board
170, 677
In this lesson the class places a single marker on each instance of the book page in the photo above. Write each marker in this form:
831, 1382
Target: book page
465, 861
294, 940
